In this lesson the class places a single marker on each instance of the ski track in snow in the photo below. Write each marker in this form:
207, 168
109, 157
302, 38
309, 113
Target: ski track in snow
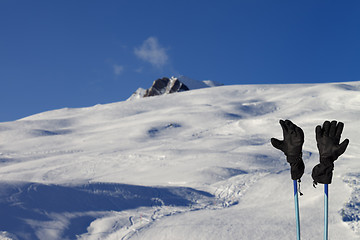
125, 170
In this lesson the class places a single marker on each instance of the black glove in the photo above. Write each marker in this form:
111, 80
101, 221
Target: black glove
292, 147
328, 138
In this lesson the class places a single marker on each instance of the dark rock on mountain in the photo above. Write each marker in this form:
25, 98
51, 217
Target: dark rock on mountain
165, 86
172, 85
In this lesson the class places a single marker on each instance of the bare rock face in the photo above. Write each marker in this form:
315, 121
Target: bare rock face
171, 85
165, 86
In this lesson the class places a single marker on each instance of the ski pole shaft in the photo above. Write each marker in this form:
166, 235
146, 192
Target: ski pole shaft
326, 210
297, 210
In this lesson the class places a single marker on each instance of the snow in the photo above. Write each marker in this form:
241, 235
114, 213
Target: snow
189, 165
195, 84
139, 93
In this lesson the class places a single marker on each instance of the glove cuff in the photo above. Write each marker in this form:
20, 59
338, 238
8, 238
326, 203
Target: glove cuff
297, 166
327, 160
293, 158
323, 172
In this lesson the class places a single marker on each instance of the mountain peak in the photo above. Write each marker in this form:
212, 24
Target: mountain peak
166, 85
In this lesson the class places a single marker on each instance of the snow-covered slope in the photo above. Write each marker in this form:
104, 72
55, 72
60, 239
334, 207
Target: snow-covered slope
191, 165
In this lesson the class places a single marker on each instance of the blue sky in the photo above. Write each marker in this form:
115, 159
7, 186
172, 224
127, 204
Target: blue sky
79, 53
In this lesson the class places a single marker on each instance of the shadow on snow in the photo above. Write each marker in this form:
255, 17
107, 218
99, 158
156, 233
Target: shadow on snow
22, 204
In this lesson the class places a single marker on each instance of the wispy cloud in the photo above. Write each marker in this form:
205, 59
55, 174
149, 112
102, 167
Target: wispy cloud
118, 69
151, 51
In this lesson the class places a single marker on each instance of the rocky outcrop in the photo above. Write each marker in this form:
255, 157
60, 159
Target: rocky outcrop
165, 86
171, 85
159, 87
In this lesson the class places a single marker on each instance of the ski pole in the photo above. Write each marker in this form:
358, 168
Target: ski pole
297, 210
326, 210
291, 146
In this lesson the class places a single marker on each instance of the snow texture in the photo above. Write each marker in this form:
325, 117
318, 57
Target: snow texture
191, 165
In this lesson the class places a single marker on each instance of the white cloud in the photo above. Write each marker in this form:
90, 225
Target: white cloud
118, 69
151, 51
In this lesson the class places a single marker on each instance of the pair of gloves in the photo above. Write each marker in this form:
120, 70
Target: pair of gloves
328, 143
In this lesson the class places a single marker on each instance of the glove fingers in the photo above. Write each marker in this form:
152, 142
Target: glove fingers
318, 132
299, 132
290, 125
283, 126
343, 146
326, 128
277, 143
332, 129
339, 130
